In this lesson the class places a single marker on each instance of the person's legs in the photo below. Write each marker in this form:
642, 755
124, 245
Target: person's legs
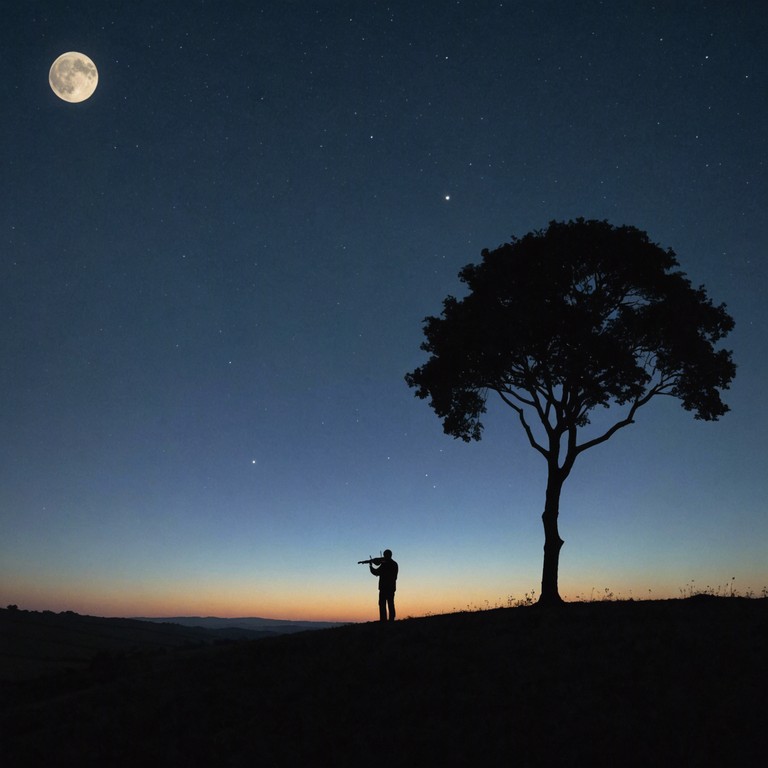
382, 607
391, 604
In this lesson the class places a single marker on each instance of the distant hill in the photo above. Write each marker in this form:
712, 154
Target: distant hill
657, 683
34, 643
275, 626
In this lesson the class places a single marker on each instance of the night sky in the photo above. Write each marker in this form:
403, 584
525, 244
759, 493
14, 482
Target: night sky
215, 270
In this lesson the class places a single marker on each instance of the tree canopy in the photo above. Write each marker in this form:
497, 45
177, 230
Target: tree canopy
565, 320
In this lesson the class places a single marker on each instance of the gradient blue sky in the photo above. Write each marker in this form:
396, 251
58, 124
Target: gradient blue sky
214, 274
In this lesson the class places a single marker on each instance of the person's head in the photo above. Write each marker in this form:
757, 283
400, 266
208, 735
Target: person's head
387, 554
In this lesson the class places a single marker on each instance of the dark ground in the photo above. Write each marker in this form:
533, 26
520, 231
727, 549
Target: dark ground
657, 683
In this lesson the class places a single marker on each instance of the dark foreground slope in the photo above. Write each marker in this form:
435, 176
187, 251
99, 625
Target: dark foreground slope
673, 683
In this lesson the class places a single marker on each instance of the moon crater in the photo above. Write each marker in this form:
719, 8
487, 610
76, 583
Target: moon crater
73, 77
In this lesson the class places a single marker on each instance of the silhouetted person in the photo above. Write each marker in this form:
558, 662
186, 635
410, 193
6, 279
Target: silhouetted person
387, 573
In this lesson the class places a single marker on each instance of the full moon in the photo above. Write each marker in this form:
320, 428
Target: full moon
73, 77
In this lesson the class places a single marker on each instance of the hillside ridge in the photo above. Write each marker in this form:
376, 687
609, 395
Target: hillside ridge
678, 682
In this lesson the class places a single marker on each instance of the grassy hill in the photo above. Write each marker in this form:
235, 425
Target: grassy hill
662, 683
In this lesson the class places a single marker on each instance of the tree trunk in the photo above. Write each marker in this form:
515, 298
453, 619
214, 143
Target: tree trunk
552, 540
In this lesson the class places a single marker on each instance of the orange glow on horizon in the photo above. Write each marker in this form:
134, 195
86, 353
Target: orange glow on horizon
356, 602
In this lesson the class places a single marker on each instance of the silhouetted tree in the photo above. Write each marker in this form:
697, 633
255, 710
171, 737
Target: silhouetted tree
561, 321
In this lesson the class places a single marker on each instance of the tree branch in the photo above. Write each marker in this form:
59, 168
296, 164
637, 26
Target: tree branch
528, 431
612, 431
517, 396
638, 403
